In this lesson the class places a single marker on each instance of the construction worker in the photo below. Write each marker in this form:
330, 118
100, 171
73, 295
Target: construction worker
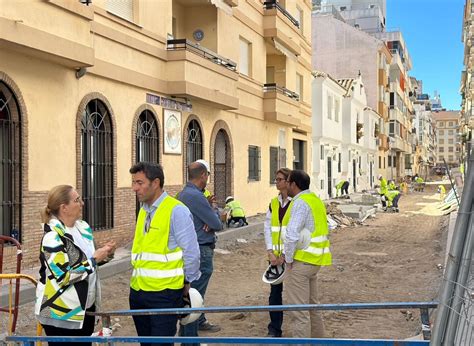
207, 221
275, 224
383, 190
307, 213
392, 185
165, 252
419, 183
236, 213
342, 188
392, 197
442, 192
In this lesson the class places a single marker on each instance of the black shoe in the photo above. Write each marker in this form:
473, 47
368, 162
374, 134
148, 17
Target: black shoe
208, 327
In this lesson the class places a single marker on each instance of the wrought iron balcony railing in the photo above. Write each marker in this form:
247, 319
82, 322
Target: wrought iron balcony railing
269, 4
184, 44
273, 87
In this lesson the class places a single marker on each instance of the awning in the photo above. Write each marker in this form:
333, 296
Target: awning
223, 6
285, 51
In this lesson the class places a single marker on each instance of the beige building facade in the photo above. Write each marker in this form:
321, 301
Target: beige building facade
86, 95
448, 148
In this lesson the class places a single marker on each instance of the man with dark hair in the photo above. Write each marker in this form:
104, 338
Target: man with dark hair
165, 252
307, 221
206, 221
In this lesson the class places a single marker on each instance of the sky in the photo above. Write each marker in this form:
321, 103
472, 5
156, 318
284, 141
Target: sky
432, 31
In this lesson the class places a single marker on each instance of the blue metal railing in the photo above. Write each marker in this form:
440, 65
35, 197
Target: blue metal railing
30, 340
106, 319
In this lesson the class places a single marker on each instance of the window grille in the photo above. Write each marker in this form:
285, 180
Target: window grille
10, 174
97, 165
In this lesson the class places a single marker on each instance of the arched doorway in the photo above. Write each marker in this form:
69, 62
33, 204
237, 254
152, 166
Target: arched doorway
10, 173
222, 167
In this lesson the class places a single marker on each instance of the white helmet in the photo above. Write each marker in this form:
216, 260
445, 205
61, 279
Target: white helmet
228, 199
205, 164
274, 275
303, 241
196, 301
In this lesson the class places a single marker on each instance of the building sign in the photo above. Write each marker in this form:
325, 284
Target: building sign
169, 103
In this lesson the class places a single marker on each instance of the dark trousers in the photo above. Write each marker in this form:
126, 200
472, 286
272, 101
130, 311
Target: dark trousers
86, 330
237, 219
345, 188
156, 325
395, 201
206, 267
276, 317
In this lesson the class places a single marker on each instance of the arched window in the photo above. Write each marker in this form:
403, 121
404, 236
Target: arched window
10, 154
193, 143
97, 165
147, 138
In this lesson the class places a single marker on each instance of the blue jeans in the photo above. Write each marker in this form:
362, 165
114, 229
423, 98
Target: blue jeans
276, 317
206, 268
156, 325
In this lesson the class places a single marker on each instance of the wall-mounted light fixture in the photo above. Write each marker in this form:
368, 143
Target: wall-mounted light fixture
80, 72
85, 2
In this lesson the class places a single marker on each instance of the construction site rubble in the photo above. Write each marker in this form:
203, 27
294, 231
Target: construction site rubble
335, 214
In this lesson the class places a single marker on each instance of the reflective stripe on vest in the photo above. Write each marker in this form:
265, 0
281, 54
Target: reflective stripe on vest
278, 230
318, 251
155, 266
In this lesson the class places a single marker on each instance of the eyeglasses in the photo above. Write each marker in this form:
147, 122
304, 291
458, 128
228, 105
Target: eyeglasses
277, 180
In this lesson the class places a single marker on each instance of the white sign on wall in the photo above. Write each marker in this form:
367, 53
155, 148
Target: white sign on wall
172, 132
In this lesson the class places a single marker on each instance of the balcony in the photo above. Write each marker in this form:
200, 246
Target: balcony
280, 105
383, 110
383, 142
280, 28
397, 144
197, 72
383, 78
396, 114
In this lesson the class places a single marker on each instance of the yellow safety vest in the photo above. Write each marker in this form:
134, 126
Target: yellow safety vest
318, 252
235, 209
278, 228
155, 266
383, 186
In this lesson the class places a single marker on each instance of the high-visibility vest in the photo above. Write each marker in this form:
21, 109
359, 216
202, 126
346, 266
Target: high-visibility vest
278, 229
391, 194
383, 186
235, 209
339, 185
318, 252
155, 266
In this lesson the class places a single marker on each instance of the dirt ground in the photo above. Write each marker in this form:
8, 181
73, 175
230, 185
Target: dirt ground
392, 257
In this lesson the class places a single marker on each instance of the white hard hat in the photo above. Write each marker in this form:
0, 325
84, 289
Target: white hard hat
196, 302
274, 275
303, 241
380, 176
206, 164
228, 199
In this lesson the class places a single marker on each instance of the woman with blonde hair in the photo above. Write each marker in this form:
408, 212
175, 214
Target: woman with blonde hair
68, 286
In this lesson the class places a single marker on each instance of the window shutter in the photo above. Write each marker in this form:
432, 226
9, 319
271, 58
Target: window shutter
121, 8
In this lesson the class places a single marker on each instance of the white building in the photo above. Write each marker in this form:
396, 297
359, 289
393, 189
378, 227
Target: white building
344, 135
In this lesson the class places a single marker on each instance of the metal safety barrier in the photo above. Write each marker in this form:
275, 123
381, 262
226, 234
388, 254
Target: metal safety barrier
106, 320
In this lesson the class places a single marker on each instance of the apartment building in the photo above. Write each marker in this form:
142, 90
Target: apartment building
344, 135
104, 85
342, 50
424, 130
447, 128
466, 121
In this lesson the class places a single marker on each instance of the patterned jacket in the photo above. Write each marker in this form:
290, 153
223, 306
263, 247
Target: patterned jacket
62, 290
